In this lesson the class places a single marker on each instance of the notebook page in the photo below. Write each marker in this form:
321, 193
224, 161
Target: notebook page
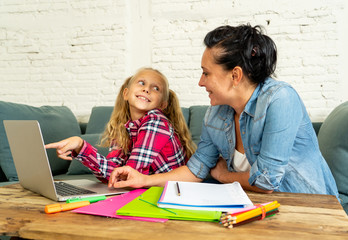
204, 194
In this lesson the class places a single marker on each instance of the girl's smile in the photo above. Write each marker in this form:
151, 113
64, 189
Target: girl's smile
143, 98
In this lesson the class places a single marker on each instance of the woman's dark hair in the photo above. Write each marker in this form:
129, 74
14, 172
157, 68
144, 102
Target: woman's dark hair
246, 47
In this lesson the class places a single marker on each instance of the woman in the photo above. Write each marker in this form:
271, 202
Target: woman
256, 132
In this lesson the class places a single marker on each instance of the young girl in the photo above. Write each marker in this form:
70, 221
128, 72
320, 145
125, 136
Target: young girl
146, 131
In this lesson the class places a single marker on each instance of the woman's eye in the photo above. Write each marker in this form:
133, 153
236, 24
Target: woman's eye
205, 74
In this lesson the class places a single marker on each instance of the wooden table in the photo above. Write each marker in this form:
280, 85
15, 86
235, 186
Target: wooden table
301, 216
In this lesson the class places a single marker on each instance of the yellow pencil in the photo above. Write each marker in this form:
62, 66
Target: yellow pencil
253, 213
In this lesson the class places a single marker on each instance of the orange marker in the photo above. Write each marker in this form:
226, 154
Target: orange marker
54, 208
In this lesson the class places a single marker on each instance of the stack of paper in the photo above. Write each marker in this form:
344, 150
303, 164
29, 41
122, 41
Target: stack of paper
204, 196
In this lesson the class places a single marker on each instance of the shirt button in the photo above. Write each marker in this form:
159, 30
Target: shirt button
131, 124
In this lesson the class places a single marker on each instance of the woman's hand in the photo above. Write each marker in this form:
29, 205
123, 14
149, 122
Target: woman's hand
126, 177
219, 170
66, 146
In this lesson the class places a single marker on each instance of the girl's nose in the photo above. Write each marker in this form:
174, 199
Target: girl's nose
146, 90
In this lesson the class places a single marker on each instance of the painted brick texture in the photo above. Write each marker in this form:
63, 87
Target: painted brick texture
78, 53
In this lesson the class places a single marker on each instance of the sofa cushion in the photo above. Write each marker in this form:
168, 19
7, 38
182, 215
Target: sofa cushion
196, 120
56, 122
186, 113
100, 116
333, 143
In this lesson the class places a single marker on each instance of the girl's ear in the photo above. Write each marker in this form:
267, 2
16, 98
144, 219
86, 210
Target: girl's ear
164, 105
125, 94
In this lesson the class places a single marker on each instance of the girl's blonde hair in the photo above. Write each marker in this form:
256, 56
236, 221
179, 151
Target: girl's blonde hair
116, 133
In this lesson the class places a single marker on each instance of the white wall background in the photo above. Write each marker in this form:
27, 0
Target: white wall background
77, 53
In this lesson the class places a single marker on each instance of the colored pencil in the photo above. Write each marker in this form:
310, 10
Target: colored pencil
235, 219
258, 211
268, 214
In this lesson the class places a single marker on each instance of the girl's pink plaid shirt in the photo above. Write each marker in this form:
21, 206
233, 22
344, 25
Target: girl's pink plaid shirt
155, 148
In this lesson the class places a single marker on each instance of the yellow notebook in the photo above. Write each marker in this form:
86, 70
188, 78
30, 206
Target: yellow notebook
146, 206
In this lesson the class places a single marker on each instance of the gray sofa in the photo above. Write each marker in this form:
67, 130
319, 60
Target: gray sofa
58, 122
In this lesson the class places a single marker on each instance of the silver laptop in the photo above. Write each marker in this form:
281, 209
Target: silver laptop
33, 168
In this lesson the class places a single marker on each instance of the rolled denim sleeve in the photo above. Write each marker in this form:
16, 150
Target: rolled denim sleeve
282, 122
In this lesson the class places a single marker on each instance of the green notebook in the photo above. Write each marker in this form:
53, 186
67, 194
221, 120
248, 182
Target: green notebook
146, 206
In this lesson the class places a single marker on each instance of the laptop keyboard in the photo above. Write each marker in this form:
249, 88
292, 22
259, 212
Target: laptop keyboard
66, 189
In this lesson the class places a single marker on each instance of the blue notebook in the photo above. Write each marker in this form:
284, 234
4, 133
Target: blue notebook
146, 206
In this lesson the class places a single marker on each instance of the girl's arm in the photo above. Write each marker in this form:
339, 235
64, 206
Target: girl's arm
66, 147
77, 148
100, 165
129, 177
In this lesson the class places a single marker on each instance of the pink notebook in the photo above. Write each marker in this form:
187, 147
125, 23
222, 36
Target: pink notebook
108, 207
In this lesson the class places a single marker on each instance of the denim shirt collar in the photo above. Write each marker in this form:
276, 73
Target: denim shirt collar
250, 107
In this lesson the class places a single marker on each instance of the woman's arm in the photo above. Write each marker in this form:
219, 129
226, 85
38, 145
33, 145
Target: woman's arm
129, 177
282, 122
220, 172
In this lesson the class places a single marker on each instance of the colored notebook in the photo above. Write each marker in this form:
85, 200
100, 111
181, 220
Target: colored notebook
204, 196
108, 207
146, 206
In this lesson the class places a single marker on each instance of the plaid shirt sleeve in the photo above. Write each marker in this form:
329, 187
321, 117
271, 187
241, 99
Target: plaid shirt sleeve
101, 166
152, 137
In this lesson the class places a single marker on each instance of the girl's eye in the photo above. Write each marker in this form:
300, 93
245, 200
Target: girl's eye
205, 74
156, 88
141, 82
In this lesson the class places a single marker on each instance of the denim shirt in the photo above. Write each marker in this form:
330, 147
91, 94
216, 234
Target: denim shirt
278, 138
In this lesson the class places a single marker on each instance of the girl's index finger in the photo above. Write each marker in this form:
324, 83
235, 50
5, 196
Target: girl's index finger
52, 145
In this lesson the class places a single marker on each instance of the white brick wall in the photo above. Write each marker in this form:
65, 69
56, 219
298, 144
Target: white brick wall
77, 53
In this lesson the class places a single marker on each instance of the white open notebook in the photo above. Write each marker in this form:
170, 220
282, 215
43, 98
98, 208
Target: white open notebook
204, 196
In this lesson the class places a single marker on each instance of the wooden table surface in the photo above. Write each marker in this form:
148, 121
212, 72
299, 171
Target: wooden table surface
301, 216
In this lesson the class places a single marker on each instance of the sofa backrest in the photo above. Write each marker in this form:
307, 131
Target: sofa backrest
56, 122
333, 143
